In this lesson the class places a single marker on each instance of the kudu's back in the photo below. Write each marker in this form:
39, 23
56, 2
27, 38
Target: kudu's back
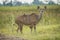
27, 19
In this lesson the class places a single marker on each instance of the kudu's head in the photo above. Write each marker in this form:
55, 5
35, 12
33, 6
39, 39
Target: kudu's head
41, 10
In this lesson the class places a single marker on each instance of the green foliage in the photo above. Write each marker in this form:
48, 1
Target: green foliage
5, 19
47, 29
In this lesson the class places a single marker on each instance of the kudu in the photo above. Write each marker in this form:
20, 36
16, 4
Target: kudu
30, 20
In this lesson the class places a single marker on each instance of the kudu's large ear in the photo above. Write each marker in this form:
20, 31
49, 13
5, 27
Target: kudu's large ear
38, 7
45, 7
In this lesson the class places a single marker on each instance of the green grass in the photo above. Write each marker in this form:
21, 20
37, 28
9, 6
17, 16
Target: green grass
47, 32
47, 29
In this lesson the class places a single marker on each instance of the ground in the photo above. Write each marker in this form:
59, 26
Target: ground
6, 37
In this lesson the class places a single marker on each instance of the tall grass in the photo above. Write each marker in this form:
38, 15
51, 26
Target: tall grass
47, 29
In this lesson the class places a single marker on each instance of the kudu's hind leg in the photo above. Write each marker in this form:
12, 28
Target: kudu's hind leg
20, 27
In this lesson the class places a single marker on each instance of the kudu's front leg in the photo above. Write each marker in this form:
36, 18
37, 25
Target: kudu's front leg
35, 28
21, 27
31, 26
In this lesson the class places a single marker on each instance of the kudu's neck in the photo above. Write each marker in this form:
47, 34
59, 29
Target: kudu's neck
41, 12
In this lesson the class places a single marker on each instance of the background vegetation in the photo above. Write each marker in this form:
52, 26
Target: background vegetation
34, 2
47, 29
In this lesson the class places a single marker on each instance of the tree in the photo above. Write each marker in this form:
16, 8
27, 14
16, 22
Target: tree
41, 3
4, 2
36, 2
51, 2
17, 3
9, 3
25, 4
0, 4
